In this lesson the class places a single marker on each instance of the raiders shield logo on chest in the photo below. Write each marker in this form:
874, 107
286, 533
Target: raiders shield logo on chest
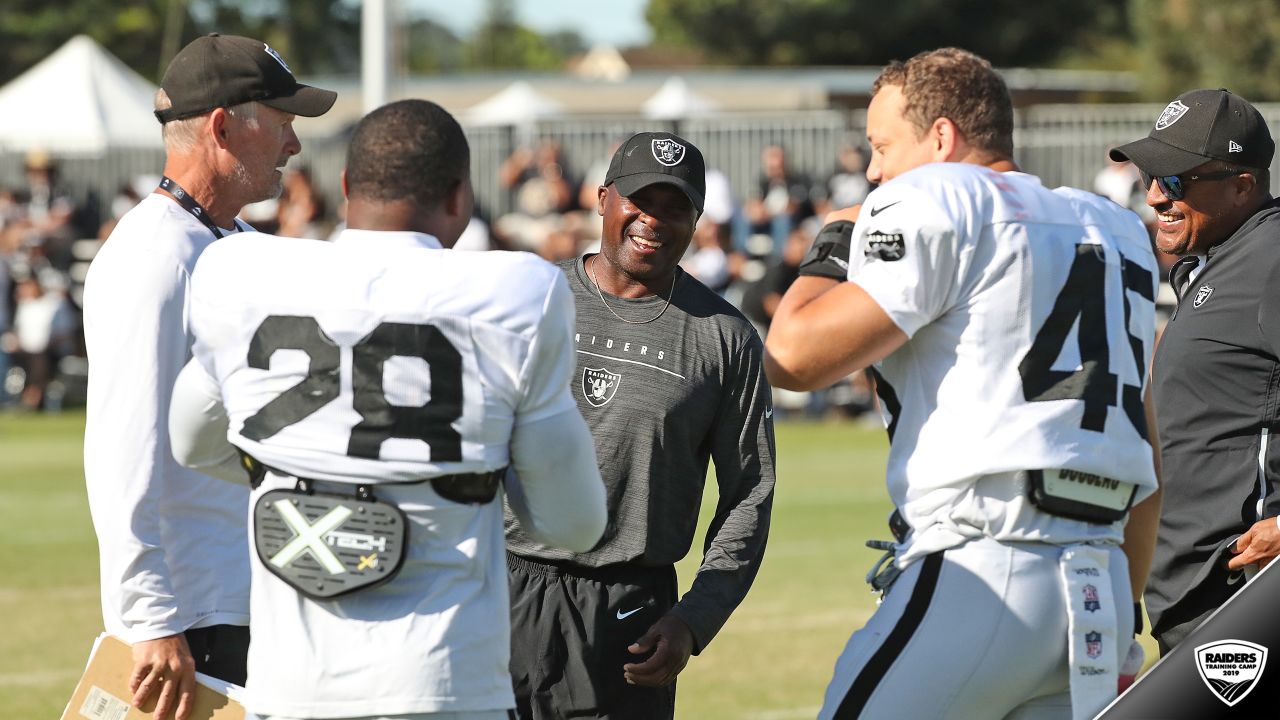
599, 385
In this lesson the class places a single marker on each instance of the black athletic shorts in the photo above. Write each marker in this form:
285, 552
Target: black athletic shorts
220, 651
570, 629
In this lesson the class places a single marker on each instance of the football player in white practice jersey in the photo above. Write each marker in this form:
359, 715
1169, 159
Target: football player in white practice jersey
1011, 328
377, 388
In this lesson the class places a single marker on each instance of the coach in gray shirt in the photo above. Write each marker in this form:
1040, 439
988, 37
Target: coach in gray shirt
669, 376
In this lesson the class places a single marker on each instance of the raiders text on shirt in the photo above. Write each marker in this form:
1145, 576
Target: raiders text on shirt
621, 345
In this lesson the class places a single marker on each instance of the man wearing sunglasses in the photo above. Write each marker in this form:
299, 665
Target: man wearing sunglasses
1205, 165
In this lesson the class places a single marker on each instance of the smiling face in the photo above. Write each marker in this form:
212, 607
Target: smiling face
645, 235
896, 145
1204, 217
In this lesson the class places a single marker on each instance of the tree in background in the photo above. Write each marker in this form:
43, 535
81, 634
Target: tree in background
1186, 44
502, 43
873, 32
32, 29
317, 36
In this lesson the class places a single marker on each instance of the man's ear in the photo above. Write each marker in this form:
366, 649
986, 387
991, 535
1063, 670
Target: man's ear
218, 122
946, 139
453, 200
601, 194
1244, 185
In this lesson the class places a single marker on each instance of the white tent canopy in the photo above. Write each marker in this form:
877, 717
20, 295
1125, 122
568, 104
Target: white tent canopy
517, 104
79, 100
675, 100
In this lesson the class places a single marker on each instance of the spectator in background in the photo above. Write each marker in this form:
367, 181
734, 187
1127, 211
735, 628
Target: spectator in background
848, 185
44, 326
51, 217
760, 299
1118, 180
782, 201
542, 189
301, 210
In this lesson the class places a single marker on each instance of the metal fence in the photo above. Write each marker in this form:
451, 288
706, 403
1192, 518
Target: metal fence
1063, 144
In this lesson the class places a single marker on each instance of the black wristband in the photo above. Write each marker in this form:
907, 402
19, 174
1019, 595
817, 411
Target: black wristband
1137, 619
828, 257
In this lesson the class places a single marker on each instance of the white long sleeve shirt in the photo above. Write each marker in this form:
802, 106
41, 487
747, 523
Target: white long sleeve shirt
318, 352
173, 552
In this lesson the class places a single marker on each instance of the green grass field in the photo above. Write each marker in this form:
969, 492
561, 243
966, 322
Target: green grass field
770, 662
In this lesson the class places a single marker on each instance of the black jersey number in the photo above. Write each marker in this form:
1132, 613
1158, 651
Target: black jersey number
431, 423
1083, 297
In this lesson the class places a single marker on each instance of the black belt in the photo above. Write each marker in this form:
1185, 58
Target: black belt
460, 487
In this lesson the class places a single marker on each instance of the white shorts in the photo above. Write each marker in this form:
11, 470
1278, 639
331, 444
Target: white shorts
977, 631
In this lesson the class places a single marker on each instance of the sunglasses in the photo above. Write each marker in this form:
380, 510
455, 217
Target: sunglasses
1174, 187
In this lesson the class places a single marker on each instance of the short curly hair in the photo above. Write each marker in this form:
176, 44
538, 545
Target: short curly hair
960, 86
410, 149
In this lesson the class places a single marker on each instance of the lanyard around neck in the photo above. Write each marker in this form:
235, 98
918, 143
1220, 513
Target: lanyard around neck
190, 204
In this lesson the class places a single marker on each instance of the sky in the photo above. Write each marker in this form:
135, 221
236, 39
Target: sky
615, 22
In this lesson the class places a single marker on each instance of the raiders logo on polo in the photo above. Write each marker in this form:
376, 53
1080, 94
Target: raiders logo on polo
1231, 668
668, 151
599, 385
272, 52
887, 246
1173, 112
1202, 295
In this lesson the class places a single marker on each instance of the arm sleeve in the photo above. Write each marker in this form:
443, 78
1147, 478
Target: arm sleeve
828, 256
137, 345
743, 453
554, 487
198, 426
907, 255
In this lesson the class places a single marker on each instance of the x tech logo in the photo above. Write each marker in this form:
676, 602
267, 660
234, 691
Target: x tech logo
310, 538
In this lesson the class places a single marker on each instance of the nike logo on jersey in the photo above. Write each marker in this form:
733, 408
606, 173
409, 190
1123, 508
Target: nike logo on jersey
1234, 577
629, 613
882, 208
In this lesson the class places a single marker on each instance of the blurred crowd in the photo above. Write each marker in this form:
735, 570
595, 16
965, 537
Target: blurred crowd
748, 246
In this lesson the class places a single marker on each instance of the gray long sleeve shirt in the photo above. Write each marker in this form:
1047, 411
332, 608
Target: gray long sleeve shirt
662, 398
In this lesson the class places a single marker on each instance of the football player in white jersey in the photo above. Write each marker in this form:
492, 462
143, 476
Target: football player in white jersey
1011, 328
377, 388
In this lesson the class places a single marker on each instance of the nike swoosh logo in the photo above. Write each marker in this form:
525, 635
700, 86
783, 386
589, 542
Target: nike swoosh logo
1234, 577
877, 211
625, 615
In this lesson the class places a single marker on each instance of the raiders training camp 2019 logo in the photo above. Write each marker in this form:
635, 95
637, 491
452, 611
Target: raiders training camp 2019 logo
668, 152
1173, 112
1231, 668
887, 246
599, 385
1202, 295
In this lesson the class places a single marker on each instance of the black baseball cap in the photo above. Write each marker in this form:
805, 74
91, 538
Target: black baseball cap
1198, 126
649, 158
223, 70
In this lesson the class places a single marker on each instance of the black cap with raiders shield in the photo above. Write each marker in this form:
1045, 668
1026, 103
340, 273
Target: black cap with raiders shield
1199, 126
224, 70
650, 158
